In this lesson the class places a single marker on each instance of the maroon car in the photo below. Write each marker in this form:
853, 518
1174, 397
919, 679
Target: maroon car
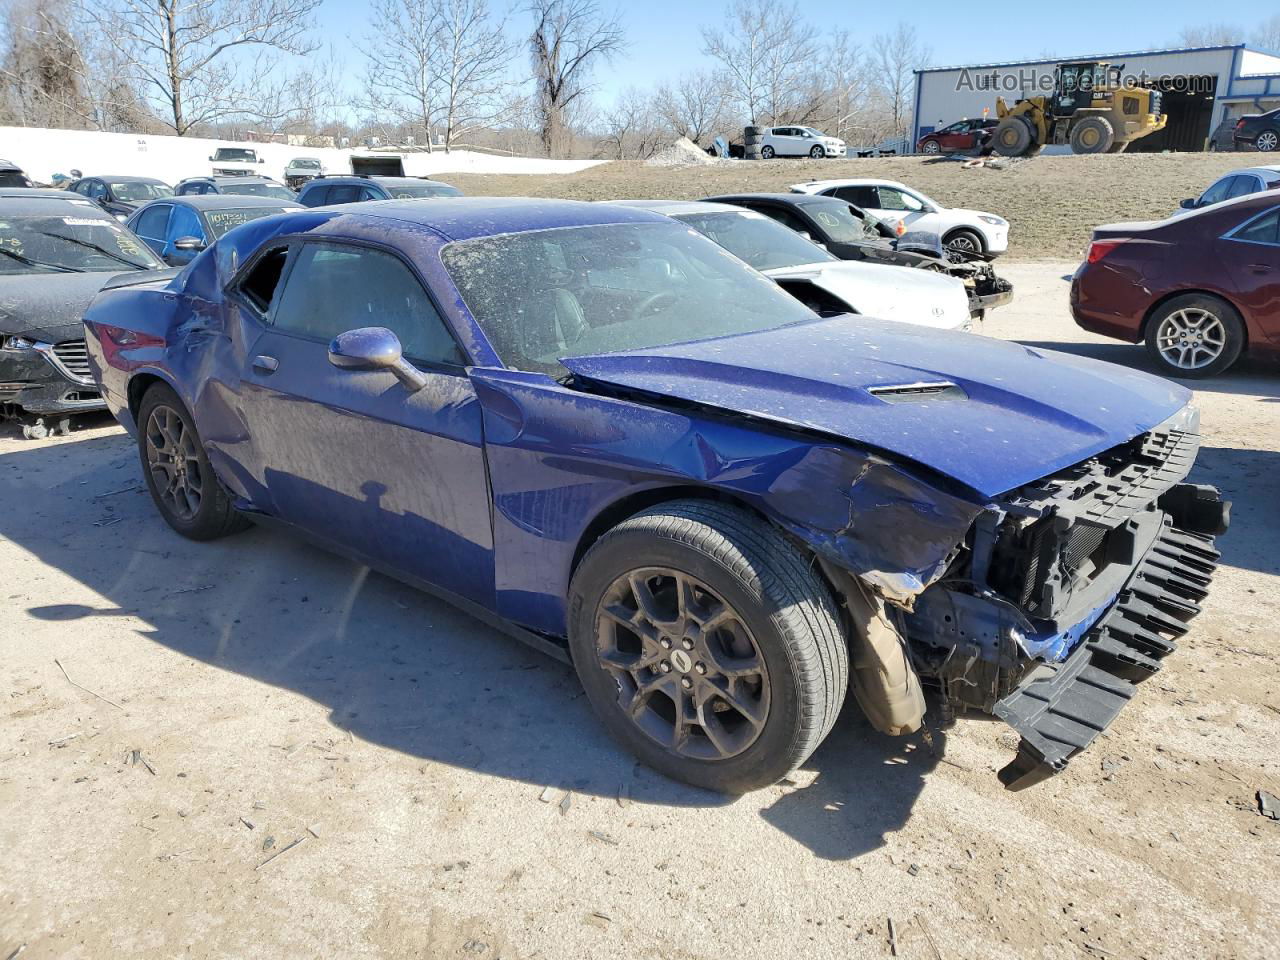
960, 137
1200, 289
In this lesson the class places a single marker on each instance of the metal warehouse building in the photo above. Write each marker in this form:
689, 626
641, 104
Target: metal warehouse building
1202, 87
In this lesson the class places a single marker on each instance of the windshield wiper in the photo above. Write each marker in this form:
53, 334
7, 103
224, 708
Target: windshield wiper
93, 246
39, 263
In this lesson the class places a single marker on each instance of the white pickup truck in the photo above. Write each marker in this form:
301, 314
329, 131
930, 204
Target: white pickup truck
235, 161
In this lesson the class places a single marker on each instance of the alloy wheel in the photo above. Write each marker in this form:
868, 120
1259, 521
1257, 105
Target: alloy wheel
174, 462
688, 671
1191, 339
1267, 141
766, 153
963, 244
817, 153
931, 147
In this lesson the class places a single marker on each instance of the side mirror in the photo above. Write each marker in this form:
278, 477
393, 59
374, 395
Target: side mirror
262, 159
189, 246
374, 348
211, 159
1188, 204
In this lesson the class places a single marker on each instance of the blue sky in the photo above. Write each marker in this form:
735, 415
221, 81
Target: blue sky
665, 34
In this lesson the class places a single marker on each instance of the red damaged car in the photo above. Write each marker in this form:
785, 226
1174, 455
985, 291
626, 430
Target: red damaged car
1200, 289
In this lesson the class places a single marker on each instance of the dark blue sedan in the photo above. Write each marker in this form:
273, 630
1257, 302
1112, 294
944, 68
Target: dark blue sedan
597, 428
177, 228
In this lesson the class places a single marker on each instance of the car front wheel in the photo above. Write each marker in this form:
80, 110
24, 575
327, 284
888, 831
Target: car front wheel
177, 470
1195, 336
707, 645
931, 147
965, 241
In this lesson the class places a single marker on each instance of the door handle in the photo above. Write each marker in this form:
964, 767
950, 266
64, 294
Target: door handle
265, 364
1260, 267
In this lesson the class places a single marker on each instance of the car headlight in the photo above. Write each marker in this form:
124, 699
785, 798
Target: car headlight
994, 221
17, 343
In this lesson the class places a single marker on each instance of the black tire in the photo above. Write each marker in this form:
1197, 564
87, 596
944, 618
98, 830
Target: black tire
965, 240
931, 148
1013, 137
751, 154
753, 131
1164, 347
753, 139
817, 153
1092, 135
213, 516
766, 152
773, 592
1268, 141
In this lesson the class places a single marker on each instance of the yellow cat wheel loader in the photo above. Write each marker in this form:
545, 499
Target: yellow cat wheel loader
1090, 108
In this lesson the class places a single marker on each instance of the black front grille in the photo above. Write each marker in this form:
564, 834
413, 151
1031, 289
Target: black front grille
73, 355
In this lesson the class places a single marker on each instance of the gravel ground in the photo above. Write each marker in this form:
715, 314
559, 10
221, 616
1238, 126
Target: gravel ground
1053, 202
430, 788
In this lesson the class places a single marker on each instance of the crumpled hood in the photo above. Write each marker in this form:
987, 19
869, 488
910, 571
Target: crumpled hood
1019, 413
889, 292
48, 306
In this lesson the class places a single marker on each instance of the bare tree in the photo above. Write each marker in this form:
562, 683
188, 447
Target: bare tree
1211, 35
895, 58
695, 106
433, 64
765, 49
204, 61
630, 127
42, 66
1267, 35
569, 38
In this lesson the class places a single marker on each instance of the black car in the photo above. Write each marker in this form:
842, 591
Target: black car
57, 251
852, 233
178, 228
120, 196
1261, 131
11, 175
246, 186
326, 191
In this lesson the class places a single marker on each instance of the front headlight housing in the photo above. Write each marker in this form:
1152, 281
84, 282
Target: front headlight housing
994, 221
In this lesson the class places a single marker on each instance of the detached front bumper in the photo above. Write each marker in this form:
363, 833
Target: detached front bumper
1060, 709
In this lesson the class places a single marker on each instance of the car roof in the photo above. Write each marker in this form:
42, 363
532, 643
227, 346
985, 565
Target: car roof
1270, 170
856, 182
466, 218
226, 201
9, 165
30, 202
674, 208
112, 179
344, 179
237, 178
791, 199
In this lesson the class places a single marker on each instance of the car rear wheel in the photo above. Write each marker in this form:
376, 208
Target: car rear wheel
766, 152
1195, 336
1268, 140
177, 471
966, 241
707, 645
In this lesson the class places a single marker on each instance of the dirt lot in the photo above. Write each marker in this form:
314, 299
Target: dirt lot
1052, 202
254, 694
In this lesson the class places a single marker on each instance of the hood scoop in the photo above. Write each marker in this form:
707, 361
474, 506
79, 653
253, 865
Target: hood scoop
924, 390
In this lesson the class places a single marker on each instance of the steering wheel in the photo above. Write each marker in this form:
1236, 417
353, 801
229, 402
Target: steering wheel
650, 303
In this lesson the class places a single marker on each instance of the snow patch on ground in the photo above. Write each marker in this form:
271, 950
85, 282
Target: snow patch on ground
42, 153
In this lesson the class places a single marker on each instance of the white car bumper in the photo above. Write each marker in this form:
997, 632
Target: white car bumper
997, 238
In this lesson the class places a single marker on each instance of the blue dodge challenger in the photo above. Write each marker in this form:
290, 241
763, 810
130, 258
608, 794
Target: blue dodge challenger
592, 426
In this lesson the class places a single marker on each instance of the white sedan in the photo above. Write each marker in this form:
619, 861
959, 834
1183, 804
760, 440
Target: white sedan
812, 275
970, 231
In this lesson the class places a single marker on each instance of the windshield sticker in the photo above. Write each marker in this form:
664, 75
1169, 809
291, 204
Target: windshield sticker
128, 245
224, 220
826, 219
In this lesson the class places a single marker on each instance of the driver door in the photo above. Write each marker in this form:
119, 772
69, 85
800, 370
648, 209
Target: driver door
355, 457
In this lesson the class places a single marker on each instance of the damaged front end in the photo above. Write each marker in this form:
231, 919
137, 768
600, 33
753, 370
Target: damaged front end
1067, 592
986, 290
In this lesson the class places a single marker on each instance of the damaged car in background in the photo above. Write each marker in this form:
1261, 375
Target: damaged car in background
56, 252
822, 282
596, 429
851, 233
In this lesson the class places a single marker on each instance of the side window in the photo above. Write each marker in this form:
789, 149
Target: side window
859, 196
786, 218
315, 197
1265, 229
893, 199
96, 189
82, 188
369, 193
185, 222
1244, 184
152, 222
260, 284
1218, 192
344, 193
334, 288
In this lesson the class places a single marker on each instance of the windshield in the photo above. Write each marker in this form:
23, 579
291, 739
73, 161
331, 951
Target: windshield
840, 221
225, 153
306, 163
575, 291
753, 237
69, 244
411, 191
133, 191
273, 190
220, 221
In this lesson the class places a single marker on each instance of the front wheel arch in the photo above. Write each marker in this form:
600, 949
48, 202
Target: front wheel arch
139, 384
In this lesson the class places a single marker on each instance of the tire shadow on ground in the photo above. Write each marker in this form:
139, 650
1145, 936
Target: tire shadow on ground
394, 667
